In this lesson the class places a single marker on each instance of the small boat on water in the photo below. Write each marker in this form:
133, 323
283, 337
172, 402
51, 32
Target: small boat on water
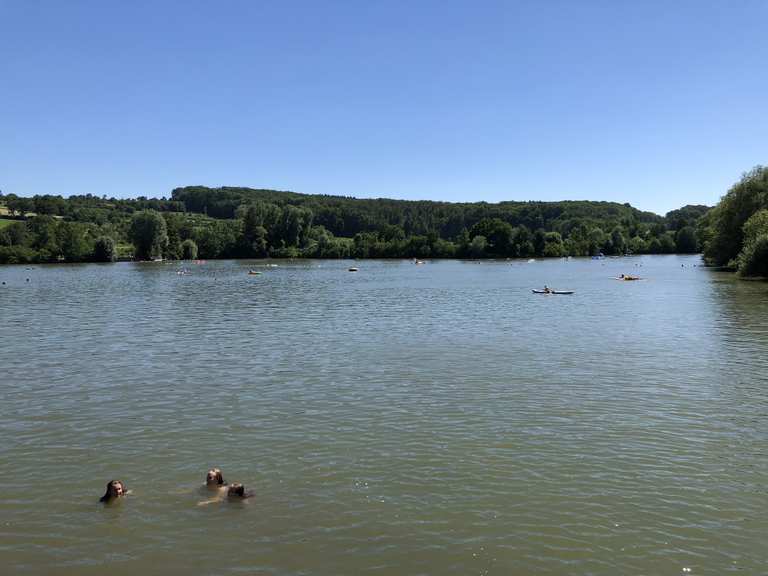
627, 277
253, 272
419, 262
552, 291
352, 269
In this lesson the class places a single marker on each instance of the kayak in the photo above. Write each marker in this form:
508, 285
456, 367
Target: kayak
253, 272
552, 292
353, 269
627, 278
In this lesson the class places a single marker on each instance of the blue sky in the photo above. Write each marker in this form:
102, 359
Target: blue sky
658, 104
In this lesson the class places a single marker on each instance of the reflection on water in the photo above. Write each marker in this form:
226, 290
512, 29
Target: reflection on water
435, 419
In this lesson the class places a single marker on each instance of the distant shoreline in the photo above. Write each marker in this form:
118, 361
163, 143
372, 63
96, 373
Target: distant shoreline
261, 261
245, 223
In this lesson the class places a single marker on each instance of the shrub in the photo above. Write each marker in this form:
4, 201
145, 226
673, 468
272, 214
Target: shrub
188, 249
104, 249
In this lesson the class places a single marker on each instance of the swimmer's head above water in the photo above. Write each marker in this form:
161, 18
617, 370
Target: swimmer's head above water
237, 490
115, 489
214, 478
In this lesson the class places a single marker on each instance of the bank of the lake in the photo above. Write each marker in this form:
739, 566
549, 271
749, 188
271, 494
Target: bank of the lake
223, 223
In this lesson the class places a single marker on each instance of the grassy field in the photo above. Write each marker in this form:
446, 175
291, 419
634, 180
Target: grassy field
4, 222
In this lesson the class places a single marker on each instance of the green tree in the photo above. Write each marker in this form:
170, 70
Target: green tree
477, 247
253, 242
756, 225
539, 241
72, 241
498, 235
617, 241
294, 226
667, 241
43, 230
553, 245
174, 224
597, 240
209, 243
637, 245
685, 240
188, 249
522, 242
391, 232
365, 244
149, 235
17, 205
418, 247
654, 246
104, 249
725, 237
14, 235
753, 259
443, 249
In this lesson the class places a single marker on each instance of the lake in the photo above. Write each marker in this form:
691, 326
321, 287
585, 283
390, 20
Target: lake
435, 419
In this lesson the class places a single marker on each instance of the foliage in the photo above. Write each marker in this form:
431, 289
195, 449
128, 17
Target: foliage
250, 223
685, 240
753, 258
104, 249
756, 225
73, 243
685, 216
189, 249
724, 228
149, 234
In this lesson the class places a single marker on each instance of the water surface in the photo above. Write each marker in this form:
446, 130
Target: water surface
435, 419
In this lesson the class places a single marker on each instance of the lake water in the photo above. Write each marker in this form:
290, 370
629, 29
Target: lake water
436, 419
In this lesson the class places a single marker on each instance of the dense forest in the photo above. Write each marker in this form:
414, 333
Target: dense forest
734, 234
200, 222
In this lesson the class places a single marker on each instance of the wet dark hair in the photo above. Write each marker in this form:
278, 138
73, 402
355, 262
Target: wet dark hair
112, 490
217, 475
236, 489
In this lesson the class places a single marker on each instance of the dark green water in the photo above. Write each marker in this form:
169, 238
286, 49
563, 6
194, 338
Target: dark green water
435, 419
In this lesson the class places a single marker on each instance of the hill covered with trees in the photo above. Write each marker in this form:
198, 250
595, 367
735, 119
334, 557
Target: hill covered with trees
254, 223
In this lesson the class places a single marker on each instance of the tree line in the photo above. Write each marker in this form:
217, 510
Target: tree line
734, 234
201, 222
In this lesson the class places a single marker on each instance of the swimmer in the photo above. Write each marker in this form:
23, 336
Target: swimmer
115, 489
234, 492
238, 491
214, 479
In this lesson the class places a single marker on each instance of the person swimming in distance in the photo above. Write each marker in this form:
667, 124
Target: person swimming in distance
238, 491
232, 492
214, 479
115, 489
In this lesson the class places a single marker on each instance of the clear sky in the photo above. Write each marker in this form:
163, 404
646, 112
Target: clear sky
658, 104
